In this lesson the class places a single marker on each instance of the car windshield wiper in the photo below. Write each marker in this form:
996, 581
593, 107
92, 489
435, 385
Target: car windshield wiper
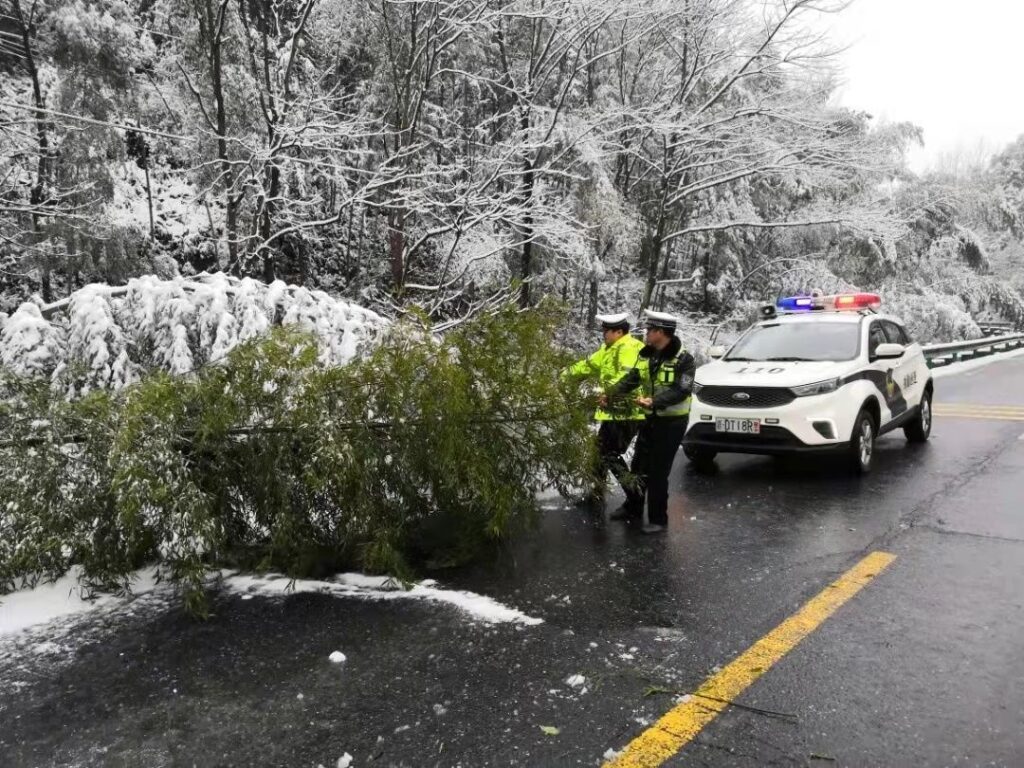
790, 360
741, 360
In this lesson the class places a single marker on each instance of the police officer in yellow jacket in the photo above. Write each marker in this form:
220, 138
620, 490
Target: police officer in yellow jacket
618, 413
666, 382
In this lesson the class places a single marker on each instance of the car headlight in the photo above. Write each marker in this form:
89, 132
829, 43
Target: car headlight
818, 388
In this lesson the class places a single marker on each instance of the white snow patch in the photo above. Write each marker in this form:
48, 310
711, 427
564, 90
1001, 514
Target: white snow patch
575, 681
337, 657
345, 761
972, 365
359, 585
30, 608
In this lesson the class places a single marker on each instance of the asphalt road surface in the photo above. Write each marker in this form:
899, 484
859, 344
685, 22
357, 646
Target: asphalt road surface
923, 666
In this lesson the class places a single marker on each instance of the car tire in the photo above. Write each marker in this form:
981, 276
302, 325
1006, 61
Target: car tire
703, 459
862, 443
918, 430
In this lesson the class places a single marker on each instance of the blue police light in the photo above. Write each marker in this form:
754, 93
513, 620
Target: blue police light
795, 303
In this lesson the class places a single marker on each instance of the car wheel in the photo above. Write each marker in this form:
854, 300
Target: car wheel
918, 430
703, 459
862, 443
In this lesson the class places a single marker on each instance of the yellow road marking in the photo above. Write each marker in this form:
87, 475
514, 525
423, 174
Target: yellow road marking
981, 407
969, 411
683, 722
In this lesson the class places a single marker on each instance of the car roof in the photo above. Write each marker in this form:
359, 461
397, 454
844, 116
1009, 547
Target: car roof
826, 317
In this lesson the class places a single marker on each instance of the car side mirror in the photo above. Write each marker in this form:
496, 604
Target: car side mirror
717, 351
889, 351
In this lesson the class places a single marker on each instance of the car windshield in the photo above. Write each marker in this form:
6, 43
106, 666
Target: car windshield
794, 342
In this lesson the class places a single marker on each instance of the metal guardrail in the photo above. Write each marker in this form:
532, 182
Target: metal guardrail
939, 355
996, 328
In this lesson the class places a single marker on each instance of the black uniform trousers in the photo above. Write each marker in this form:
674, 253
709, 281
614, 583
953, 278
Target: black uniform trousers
613, 438
656, 447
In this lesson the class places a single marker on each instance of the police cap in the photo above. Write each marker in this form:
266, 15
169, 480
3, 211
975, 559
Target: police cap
662, 320
619, 322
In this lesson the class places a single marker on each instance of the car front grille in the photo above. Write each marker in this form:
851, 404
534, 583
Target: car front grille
756, 397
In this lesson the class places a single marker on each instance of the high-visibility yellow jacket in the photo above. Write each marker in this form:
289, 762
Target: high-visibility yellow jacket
608, 365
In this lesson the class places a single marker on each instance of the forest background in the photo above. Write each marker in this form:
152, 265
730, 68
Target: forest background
439, 157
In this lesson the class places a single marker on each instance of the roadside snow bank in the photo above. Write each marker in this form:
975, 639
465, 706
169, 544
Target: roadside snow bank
381, 588
47, 603
62, 601
972, 365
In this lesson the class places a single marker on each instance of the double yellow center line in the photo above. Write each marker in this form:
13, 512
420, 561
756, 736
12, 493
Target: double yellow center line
682, 723
977, 411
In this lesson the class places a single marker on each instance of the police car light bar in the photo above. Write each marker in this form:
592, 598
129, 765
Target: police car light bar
845, 301
799, 304
858, 301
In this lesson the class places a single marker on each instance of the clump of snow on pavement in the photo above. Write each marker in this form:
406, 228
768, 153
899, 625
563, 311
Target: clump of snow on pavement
337, 657
359, 585
576, 681
345, 761
50, 603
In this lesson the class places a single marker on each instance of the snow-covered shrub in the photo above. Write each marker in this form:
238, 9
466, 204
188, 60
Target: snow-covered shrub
29, 345
932, 317
104, 336
97, 354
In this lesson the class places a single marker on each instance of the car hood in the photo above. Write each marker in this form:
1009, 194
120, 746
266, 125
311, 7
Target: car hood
741, 374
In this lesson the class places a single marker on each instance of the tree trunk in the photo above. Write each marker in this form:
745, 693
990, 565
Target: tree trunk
653, 261
149, 201
396, 248
38, 195
526, 269
214, 28
592, 303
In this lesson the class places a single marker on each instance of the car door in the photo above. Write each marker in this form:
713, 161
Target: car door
907, 373
885, 375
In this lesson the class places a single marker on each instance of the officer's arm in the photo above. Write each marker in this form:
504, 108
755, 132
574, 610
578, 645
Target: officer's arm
630, 380
588, 366
680, 388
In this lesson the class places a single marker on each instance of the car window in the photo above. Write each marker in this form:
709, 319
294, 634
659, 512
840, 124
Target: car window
876, 336
798, 341
896, 334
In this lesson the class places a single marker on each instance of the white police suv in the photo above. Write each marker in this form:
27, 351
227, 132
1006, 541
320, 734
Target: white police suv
816, 374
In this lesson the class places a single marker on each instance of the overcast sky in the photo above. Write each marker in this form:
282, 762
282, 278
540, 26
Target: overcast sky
954, 68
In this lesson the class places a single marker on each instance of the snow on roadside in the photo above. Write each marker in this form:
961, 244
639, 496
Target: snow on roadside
47, 603
50, 606
972, 365
479, 607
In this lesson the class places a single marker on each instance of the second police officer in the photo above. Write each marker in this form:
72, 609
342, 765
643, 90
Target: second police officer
666, 382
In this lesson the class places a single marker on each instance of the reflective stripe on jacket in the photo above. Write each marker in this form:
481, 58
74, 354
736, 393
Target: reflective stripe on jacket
667, 379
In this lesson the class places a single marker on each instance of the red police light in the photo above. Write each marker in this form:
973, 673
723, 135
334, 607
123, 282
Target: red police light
858, 301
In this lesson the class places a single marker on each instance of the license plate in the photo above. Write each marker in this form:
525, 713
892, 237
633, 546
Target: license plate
743, 426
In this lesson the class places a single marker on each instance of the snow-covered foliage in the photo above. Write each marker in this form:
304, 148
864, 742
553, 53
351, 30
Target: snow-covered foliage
29, 344
105, 337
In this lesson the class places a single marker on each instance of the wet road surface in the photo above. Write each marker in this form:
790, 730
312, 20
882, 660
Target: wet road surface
922, 667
